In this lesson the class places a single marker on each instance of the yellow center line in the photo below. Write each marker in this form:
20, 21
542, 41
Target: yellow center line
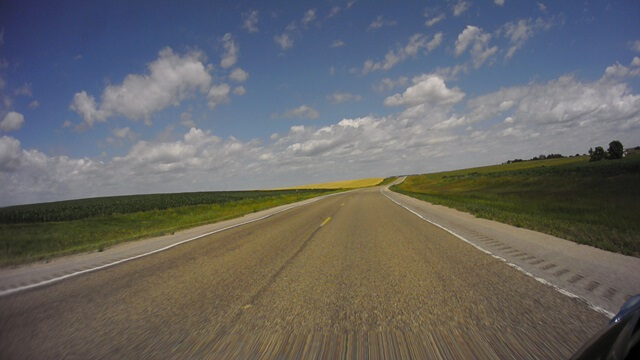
326, 221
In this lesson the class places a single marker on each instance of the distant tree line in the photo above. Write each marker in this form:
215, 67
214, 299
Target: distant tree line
540, 157
615, 151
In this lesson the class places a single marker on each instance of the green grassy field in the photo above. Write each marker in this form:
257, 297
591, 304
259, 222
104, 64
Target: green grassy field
594, 203
388, 181
42, 231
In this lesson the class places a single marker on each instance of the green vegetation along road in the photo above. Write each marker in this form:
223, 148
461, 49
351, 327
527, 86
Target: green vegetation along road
349, 276
592, 203
43, 231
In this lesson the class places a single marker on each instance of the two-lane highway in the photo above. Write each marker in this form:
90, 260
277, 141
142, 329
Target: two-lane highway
352, 275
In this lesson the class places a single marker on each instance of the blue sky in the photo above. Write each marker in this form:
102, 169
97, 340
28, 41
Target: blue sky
120, 97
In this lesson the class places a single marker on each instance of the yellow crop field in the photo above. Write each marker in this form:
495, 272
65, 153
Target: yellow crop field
345, 184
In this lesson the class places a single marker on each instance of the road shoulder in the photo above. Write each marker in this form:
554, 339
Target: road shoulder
602, 278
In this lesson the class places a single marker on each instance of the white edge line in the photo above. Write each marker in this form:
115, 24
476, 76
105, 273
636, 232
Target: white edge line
539, 279
66, 276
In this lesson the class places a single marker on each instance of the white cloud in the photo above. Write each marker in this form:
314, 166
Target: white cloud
380, 22
186, 119
522, 30
34, 104
451, 72
518, 33
250, 23
564, 104
635, 45
541, 7
340, 97
239, 90
171, 79
416, 43
239, 75
564, 115
460, 7
284, 41
124, 133
337, 43
499, 2
466, 37
85, 105
308, 17
620, 71
434, 20
10, 153
387, 84
12, 121
230, 55
427, 89
218, 94
478, 40
302, 112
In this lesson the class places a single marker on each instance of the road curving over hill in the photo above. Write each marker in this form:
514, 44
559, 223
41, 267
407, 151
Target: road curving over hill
350, 276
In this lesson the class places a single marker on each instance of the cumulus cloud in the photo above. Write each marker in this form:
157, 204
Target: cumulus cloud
426, 89
284, 41
499, 2
635, 45
460, 7
171, 79
415, 44
477, 40
620, 71
340, 97
85, 105
10, 154
524, 119
218, 94
34, 104
250, 21
337, 43
564, 104
230, 55
239, 90
12, 121
239, 75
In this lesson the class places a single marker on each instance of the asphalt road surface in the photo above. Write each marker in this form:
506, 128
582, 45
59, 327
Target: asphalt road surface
349, 276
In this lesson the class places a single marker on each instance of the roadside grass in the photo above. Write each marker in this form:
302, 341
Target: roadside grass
345, 184
593, 203
387, 181
27, 241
